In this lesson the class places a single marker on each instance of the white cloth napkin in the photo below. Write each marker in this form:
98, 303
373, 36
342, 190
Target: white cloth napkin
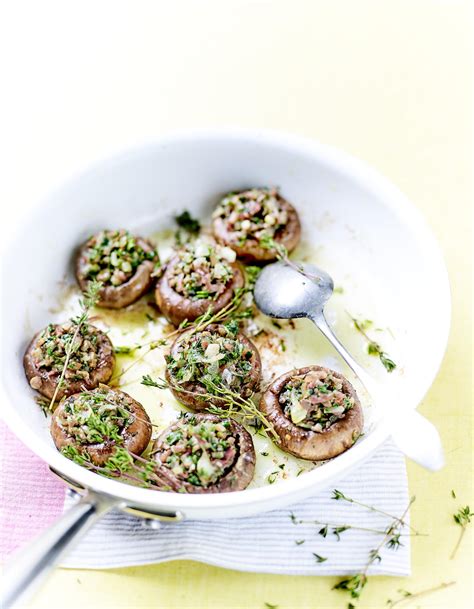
267, 543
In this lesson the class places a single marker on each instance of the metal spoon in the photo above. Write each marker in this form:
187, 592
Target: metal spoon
290, 290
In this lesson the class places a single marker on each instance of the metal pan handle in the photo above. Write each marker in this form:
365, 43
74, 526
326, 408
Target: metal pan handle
30, 565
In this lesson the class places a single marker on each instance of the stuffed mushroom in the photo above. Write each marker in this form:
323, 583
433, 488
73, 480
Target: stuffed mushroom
91, 362
201, 276
206, 454
124, 264
94, 423
247, 221
201, 364
315, 412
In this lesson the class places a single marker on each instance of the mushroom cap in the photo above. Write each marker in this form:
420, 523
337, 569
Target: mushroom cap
136, 436
117, 297
251, 251
177, 308
306, 443
251, 385
44, 381
237, 478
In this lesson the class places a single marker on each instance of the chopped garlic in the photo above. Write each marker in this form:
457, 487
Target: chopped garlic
211, 351
228, 254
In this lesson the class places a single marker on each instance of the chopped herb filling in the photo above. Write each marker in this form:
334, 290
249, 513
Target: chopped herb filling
211, 358
199, 452
113, 257
51, 347
315, 400
96, 417
202, 270
252, 214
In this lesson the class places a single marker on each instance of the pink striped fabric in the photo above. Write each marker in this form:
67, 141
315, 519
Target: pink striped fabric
31, 497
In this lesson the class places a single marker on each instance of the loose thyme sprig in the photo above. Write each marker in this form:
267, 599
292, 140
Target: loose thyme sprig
373, 348
409, 596
462, 517
355, 584
339, 496
336, 529
88, 301
234, 403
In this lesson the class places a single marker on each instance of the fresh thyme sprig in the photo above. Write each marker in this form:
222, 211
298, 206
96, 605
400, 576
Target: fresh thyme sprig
373, 348
339, 496
462, 517
233, 403
409, 596
337, 529
88, 301
354, 585
149, 382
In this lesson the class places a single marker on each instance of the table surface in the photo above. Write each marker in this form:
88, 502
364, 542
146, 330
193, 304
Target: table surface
388, 81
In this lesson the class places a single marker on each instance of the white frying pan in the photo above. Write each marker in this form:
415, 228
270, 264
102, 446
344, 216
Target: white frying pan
366, 235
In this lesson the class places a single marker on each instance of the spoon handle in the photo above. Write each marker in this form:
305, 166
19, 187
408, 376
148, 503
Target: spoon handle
320, 321
414, 435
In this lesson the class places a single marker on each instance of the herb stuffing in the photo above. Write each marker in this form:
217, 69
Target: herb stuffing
252, 214
112, 257
202, 270
198, 451
52, 345
96, 417
214, 355
315, 400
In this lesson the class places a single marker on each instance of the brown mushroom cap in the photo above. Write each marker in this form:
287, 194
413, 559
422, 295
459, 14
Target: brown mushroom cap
44, 380
176, 307
236, 478
251, 251
251, 385
117, 297
306, 443
136, 436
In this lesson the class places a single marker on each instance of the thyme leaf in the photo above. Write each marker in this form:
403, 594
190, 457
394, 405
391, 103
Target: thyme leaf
319, 558
463, 518
149, 382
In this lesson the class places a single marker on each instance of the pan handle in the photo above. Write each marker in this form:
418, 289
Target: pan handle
31, 564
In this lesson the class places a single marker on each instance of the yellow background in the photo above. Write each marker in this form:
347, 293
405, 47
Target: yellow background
388, 81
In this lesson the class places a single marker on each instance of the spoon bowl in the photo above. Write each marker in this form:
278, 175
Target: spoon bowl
288, 290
